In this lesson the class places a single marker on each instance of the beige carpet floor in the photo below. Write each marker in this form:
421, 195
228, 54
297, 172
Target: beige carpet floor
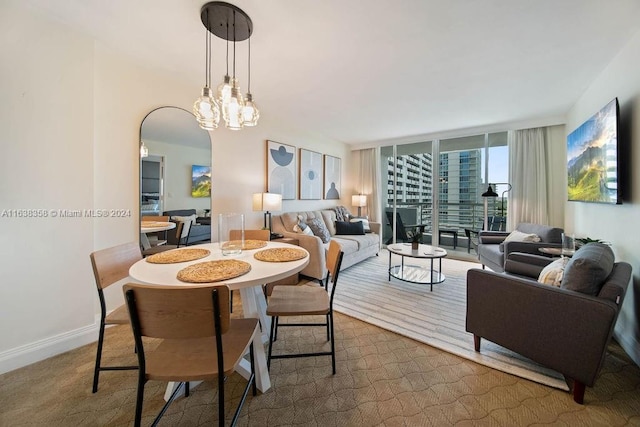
383, 379
436, 318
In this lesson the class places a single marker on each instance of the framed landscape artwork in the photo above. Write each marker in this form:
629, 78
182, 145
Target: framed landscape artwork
281, 170
200, 181
331, 177
310, 175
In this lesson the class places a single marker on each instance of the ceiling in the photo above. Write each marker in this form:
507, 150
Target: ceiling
359, 71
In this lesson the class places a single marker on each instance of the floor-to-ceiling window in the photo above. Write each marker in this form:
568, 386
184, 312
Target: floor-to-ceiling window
416, 187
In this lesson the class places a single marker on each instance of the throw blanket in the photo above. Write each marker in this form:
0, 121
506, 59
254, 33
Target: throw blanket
342, 213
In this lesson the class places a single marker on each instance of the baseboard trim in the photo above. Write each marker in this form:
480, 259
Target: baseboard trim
34, 352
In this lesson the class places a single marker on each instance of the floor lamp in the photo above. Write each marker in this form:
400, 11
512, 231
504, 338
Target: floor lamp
486, 195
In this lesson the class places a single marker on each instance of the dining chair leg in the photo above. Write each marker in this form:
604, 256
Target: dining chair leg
221, 399
96, 370
253, 370
139, 400
230, 301
333, 344
273, 328
327, 320
275, 337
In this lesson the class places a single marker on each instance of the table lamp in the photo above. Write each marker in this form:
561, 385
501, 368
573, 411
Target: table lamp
267, 202
359, 200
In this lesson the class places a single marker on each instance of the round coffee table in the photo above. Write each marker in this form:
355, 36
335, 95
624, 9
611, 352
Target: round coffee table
415, 273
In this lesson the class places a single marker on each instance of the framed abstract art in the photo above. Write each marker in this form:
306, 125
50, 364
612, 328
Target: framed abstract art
331, 177
281, 169
310, 175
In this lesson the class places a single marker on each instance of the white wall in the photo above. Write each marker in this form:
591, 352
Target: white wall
616, 223
178, 160
70, 116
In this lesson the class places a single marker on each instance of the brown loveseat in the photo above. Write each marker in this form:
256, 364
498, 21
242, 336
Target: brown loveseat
355, 247
566, 329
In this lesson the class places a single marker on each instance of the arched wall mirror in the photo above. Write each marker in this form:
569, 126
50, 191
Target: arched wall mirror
175, 176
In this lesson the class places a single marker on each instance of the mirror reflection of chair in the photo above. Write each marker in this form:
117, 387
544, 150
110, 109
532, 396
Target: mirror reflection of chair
174, 237
198, 341
110, 266
306, 300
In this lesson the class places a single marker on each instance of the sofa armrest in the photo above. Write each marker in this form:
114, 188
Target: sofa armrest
375, 227
564, 330
317, 267
528, 247
524, 264
489, 237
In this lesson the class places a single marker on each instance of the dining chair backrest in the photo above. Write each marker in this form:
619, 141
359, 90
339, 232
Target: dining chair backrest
112, 264
151, 218
179, 236
177, 312
334, 259
250, 234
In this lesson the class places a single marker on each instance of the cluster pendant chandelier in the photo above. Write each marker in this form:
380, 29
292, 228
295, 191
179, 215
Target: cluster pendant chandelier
232, 24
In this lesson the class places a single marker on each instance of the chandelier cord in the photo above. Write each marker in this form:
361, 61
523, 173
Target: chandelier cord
234, 44
249, 68
227, 48
208, 55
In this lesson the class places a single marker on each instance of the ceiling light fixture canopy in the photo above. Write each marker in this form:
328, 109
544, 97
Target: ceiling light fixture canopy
229, 23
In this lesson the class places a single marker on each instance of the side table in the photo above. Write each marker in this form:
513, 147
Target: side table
291, 280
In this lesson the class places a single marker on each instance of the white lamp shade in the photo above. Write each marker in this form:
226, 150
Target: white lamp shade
359, 200
267, 202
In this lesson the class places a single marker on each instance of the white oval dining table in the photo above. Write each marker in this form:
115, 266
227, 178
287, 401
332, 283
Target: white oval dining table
250, 286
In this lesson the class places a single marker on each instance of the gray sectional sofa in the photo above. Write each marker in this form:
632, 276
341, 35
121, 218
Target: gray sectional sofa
356, 247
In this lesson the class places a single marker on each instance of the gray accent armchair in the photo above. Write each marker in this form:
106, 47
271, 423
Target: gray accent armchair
562, 329
493, 250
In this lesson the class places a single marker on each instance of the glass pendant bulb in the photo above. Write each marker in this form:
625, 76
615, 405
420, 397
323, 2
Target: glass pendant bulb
232, 110
250, 112
206, 110
224, 90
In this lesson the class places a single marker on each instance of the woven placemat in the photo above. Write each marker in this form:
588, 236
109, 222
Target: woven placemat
249, 244
213, 271
280, 254
177, 255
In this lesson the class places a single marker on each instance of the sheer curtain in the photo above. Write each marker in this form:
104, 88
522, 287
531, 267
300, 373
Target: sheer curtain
369, 181
528, 200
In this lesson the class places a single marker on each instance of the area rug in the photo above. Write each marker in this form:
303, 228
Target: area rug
435, 318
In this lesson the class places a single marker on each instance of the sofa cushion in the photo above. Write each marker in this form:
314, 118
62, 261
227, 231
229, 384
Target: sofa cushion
546, 233
552, 274
319, 229
347, 246
587, 271
329, 217
519, 236
186, 219
365, 223
349, 228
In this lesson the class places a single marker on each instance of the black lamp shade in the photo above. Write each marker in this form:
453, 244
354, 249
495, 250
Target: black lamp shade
490, 192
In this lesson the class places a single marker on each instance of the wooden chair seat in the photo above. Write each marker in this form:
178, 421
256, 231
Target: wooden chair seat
196, 359
298, 301
119, 316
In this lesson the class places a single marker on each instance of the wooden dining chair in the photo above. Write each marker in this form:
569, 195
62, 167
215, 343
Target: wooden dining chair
248, 235
159, 238
194, 339
306, 300
179, 233
110, 266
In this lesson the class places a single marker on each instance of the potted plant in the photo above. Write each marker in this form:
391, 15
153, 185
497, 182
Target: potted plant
416, 239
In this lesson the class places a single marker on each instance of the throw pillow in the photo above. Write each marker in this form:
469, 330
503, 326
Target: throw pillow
319, 229
191, 218
589, 268
342, 213
300, 227
519, 236
553, 272
365, 223
349, 228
